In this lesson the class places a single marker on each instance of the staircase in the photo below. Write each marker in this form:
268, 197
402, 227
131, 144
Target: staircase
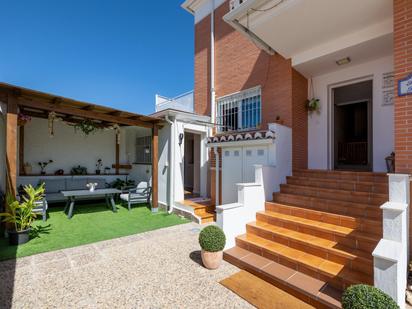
317, 235
201, 209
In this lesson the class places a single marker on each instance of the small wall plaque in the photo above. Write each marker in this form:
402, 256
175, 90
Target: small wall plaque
388, 80
405, 86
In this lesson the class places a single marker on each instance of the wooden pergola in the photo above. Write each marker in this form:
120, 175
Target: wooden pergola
40, 104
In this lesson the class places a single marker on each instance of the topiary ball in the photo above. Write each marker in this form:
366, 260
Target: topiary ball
212, 239
362, 296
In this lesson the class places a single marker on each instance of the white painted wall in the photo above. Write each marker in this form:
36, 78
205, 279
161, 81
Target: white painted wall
68, 149
232, 218
180, 126
383, 122
240, 158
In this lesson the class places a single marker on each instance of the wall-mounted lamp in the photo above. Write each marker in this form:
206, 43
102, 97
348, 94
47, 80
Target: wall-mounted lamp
181, 136
343, 61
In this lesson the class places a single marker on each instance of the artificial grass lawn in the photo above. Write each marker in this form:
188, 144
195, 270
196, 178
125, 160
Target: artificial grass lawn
90, 223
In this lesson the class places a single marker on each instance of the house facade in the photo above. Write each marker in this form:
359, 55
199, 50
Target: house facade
336, 74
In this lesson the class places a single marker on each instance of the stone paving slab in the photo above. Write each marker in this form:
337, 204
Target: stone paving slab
157, 269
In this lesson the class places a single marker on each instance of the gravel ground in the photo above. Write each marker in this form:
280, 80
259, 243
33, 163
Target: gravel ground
158, 269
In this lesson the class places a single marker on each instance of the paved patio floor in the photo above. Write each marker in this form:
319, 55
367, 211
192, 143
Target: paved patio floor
158, 269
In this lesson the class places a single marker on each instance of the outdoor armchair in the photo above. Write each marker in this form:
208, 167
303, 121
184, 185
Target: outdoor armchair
41, 207
137, 195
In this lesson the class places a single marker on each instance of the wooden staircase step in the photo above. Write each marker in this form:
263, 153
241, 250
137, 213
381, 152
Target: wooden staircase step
361, 224
333, 194
208, 217
333, 206
348, 185
327, 249
204, 210
350, 237
342, 175
334, 273
312, 290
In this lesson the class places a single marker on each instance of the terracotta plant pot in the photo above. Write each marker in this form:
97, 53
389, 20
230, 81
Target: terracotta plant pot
212, 260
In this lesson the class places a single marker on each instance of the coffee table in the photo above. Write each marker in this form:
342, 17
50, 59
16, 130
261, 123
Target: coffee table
71, 196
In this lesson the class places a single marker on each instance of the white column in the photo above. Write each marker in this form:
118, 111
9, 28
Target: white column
391, 253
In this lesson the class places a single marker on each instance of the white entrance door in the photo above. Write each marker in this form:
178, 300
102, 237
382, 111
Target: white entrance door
232, 173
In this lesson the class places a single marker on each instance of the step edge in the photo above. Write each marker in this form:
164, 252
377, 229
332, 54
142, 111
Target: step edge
362, 220
262, 274
330, 230
383, 195
340, 275
342, 253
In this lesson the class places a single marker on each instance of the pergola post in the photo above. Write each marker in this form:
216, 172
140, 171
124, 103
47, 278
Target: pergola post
155, 159
11, 144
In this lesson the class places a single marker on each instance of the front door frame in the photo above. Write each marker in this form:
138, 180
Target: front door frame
331, 127
203, 159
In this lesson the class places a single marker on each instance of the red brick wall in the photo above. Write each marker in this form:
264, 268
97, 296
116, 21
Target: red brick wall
240, 65
403, 67
202, 67
299, 121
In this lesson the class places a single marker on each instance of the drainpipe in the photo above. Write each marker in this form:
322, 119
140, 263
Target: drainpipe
217, 176
171, 159
212, 65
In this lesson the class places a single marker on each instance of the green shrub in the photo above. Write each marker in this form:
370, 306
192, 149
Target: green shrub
362, 296
212, 239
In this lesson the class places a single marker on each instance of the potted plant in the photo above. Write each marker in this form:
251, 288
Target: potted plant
87, 126
21, 215
313, 105
78, 170
43, 166
99, 165
212, 240
22, 119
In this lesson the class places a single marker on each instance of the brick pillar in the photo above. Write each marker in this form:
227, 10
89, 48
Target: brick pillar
403, 67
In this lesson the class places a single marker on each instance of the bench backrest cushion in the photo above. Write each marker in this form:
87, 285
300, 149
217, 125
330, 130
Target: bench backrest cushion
54, 185
76, 184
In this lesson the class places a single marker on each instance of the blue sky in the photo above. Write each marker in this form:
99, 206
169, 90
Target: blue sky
118, 53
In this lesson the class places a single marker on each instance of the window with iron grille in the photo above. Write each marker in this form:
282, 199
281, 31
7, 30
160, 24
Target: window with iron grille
239, 111
144, 150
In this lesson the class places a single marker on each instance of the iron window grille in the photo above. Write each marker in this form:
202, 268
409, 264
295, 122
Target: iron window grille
239, 111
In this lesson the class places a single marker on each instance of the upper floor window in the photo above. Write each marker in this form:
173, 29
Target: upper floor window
239, 111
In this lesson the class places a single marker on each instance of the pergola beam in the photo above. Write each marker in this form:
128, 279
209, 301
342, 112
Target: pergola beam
88, 107
83, 113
